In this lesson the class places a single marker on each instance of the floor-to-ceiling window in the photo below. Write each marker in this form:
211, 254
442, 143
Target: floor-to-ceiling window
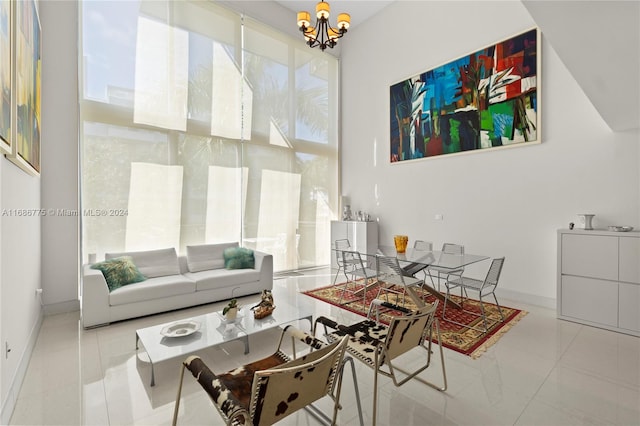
200, 126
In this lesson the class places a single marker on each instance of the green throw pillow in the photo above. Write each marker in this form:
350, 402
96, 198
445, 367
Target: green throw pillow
238, 258
119, 272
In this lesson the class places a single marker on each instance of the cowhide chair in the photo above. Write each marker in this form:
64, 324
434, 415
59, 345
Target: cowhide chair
377, 345
266, 391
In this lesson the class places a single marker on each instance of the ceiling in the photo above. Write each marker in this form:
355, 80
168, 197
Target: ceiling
598, 41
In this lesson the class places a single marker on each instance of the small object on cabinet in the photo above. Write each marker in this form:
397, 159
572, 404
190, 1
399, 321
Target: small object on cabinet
585, 221
616, 228
571, 225
346, 213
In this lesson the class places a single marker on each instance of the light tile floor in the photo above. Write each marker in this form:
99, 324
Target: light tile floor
544, 371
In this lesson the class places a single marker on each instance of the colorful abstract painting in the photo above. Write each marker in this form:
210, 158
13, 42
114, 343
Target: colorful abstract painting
484, 100
28, 77
6, 30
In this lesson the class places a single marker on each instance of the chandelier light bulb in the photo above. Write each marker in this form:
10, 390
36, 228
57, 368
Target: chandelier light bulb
322, 10
304, 19
344, 20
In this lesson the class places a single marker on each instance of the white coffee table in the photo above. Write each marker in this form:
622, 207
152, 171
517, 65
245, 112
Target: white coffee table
215, 330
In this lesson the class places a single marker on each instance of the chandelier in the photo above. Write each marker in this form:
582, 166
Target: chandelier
323, 34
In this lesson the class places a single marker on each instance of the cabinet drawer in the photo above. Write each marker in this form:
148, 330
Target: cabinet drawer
590, 256
629, 316
630, 259
590, 300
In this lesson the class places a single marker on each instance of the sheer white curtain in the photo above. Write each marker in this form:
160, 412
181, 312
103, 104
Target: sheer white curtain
279, 216
226, 192
161, 75
204, 126
231, 93
154, 207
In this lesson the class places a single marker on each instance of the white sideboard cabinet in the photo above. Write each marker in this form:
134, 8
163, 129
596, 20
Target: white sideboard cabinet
363, 236
599, 279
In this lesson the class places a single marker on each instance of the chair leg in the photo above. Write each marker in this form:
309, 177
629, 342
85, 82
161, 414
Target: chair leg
355, 386
364, 293
498, 305
386, 294
375, 303
177, 406
444, 370
344, 290
414, 375
344, 271
336, 277
320, 415
446, 300
375, 391
447, 297
354, 290
433, 283
483, 313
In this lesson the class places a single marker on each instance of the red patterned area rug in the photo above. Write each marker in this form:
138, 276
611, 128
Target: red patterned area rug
456, 337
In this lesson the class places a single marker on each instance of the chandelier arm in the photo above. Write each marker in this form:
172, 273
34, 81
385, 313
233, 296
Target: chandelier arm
339, 31
323, 26
311, 41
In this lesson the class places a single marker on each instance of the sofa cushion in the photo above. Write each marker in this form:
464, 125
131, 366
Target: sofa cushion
153, 263
219, 278
119, 271
153, 288
207, 256
238, 258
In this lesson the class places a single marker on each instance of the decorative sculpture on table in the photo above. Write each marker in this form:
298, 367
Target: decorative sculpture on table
265, 307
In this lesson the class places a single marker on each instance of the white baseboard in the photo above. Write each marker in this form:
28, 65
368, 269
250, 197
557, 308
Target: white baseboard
62, 307
530, 299
16, 383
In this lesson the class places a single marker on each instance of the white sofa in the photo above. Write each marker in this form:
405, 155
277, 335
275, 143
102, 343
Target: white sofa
173, 282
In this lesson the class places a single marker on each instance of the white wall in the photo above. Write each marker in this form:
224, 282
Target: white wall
507, 202
19, 278
60, 231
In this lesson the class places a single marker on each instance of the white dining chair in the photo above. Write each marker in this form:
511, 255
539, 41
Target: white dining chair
484, 288
344, 264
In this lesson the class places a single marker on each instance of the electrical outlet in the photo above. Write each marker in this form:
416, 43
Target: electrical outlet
38, 291
439, 217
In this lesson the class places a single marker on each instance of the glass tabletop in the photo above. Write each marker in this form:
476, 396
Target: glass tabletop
214, 329
428, 257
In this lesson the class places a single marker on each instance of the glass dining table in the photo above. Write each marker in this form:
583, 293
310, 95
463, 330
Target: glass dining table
415, 260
